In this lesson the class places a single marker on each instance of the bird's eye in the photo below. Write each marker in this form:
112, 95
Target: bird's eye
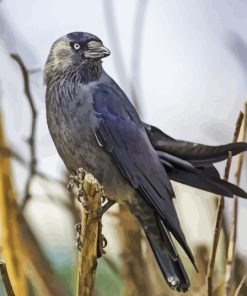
76, 46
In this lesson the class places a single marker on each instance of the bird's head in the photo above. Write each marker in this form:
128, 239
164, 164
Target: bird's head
73, 51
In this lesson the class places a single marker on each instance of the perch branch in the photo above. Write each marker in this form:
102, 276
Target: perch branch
90, 238
31, 139
219, 214
5, 278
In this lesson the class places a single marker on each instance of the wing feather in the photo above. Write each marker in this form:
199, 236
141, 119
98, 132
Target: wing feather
121, 132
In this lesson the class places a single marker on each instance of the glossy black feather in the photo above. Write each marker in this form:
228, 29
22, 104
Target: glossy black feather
213, 185
192, 164
197, 154
123, 135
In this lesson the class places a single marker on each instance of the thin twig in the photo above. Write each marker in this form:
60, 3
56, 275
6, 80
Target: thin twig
31, 139
219, 214
240, 158
240, 285
16, 156
231, 249
6, 280
11, 153
233, 232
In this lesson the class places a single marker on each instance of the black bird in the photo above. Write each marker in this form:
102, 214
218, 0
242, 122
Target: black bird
94, 125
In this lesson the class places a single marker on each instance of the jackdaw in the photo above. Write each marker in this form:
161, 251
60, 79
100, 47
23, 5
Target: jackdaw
94, 125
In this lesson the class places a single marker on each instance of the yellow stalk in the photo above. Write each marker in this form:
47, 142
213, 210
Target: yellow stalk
9, 224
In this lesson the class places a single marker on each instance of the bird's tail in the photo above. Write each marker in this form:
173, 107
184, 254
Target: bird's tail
162, 246
172, 269
192, 164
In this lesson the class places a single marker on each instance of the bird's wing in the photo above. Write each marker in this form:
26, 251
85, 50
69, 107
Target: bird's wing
121, 133
197, 154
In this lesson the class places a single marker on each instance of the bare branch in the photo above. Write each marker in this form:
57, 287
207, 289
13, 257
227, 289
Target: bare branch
5, 278
219, 214
31, 139
11, 153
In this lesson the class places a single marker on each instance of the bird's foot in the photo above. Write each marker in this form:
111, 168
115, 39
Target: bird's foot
101, 244
78, 180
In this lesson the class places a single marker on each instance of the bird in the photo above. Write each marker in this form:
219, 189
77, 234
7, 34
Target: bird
95, 126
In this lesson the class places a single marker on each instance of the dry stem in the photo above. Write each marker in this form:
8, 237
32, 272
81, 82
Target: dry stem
20, 249
240, 285
219, 214
134, 267
233, 233
5, 278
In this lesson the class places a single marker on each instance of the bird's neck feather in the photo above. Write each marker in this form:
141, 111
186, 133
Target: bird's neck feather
90, 71
83, 73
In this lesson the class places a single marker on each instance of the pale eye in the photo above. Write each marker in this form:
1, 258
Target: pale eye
76, 46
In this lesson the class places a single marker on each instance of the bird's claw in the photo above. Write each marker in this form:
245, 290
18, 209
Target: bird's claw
78, 227
102, 243
78, 180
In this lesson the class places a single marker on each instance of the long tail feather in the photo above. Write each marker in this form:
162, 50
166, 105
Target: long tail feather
213, 185
197, 154
162, 245
173, 270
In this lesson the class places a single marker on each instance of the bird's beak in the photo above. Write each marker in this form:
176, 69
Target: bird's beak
96, 50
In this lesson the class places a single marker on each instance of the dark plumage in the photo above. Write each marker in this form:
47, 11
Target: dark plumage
94, 126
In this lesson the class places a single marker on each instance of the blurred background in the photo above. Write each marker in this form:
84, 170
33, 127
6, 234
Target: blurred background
184, 66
